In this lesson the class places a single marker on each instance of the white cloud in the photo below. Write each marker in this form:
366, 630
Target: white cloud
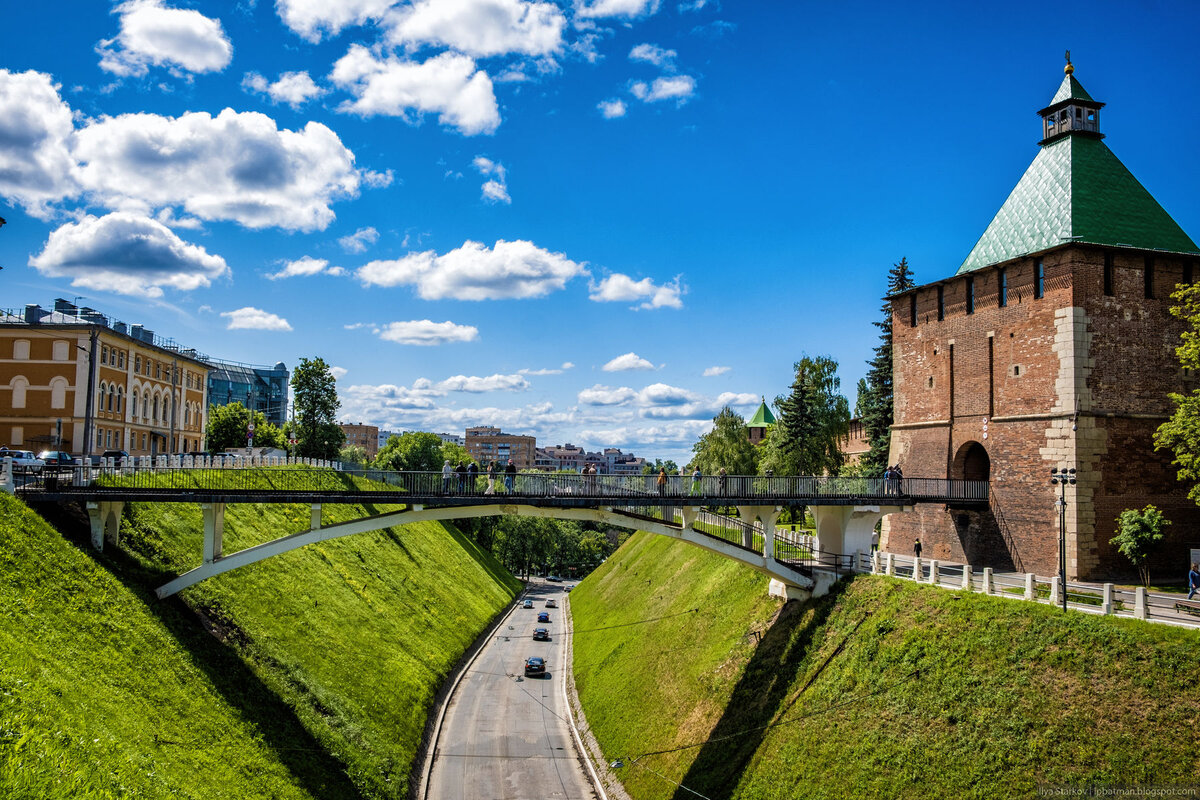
621, 288
496, 192
338, 372
255, 319
447, 84
509, 270
425, 332
626, 362
566, 366
663, 401
599, 395
154, 35
479, 27
612, 109
485, 166
653, 54
305, 267
476, 385
293, 88
235, 166
127, 254
36, 166
694, 5
496, 189
358, 241
675, 87
615, 8
312, 18
712, 372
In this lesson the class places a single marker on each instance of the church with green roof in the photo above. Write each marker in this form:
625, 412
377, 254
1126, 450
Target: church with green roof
1050, 347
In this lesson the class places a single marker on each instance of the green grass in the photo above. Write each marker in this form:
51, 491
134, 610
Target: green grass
884, 689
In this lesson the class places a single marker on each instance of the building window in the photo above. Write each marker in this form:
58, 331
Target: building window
1149, 276
61, 351
19, 386
158, 371
104, 354
941, 303
21, 350
1002, 291
971, 295
58, 393
1108, 274
121, 360
1039, 279
137, 364
912, 310
99, 438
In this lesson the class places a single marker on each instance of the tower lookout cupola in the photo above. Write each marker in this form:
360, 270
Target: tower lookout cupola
1071, 111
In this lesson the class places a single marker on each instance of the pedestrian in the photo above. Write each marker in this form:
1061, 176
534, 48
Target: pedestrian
461, 471
491, 476
1193, 581
695, 481
721, 481
447, 473
874, 541
510, 474
662, 481
472, 477
917, 547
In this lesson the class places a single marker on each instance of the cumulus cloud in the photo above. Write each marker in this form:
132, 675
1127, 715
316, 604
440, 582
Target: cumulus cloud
305, 267
36, 165
565, 366
675, 87
479, 28
235, 166
509, 270
127, 254
622, 288
653, 54
447, 84
476, 385
627, 362
599, 395
424, 332
629, 9
712, 372
611, 109
255, 319
154, 35
495, 190
358, 241
313, 18
293, 88
663, 401
338, 372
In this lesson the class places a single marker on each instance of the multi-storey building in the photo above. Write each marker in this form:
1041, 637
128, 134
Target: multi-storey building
364, 436
1052, 347
486, 443
259, 388
74, 379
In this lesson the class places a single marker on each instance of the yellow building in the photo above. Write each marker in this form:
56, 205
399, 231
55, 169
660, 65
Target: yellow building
147, 394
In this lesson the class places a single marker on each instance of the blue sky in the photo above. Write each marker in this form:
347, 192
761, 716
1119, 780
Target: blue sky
593, 221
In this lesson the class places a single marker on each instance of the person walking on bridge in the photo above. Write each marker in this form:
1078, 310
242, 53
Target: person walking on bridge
491, 476
461, 471
472, 477
447, 472
1193, 581
721, 481
662, 481
695, 490
510, 474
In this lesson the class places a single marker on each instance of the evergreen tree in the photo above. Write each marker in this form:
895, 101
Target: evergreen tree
876, 408
315, 391
810, 424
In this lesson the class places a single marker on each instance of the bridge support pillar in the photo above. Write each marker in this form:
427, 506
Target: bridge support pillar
105, 520
316, 517
689, 515
768, 515
214, 530
847, 529
747, 514
785, 591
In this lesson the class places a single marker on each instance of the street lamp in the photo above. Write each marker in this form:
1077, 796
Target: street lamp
1061, 477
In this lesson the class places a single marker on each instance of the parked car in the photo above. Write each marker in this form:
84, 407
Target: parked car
543, 617
551, 604
541, 634
24, 460
118, 456
56, 458
535, 665
553, 578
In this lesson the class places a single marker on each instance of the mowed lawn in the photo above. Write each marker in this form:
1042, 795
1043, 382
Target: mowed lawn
884, 689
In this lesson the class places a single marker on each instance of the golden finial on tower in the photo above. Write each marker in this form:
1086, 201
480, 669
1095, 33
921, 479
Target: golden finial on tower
1069, 68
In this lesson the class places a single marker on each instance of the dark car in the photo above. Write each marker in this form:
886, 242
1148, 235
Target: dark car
118, 456
535, 666
56, 458
543, 617
553, 578
527, 604
541, 634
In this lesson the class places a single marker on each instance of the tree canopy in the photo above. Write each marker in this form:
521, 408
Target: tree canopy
226, 429
876, 402
1181, 433
811, 424
726, 445
419, 451
1138, 535
316, 402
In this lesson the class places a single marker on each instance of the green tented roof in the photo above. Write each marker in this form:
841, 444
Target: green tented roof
762, 417
1076, 190
1070, 90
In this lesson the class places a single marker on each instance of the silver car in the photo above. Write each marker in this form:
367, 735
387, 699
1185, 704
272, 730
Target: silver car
24, 460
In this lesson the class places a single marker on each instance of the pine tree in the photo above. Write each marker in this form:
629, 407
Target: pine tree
812, 420
877, 408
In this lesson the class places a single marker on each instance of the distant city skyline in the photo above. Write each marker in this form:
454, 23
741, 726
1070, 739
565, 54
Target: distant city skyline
594, 222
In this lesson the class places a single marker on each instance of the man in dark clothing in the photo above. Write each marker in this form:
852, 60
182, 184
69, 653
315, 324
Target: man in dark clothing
461, 469
510, 474
472, 476
917, 548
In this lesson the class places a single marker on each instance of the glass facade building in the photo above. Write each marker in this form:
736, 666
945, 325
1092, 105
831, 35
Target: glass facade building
263, 389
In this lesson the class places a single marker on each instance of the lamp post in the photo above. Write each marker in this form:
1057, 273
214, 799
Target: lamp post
1061, 476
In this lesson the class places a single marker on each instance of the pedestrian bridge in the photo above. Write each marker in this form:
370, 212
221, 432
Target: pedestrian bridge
845, 509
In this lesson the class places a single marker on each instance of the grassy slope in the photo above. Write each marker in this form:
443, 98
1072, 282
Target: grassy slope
355, 634
97, 691
884, 689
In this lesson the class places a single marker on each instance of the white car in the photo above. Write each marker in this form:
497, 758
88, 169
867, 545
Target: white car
24, 459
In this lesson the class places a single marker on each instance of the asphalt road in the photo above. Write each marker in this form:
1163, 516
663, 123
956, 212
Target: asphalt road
504, 736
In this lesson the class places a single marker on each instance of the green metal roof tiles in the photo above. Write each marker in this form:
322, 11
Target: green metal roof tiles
1076, 190
762, 417
1070, 89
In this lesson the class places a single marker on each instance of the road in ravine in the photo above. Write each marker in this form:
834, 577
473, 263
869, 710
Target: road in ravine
504, 736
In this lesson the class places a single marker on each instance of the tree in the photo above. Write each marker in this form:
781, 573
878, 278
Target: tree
1181, 433
652, 469
418, 451
455, 453
876, 402
226, 429
726, 445
811, 424
1138, 535
353, 454
316, 402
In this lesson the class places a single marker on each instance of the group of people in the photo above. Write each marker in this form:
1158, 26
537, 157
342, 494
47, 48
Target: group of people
891, 479
468, 474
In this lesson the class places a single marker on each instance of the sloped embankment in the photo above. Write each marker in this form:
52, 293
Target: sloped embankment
884, 689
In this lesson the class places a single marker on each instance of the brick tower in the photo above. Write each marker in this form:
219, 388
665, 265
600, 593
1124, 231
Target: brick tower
1052, 346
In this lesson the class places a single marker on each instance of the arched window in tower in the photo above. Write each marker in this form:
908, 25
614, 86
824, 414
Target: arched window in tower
58, 392
19, 386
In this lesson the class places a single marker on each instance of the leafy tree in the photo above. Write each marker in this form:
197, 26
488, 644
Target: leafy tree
353, 454
454, 453
1181, 433
726, 445
876, 402
1138, 535
226, 429
418, 451
316, 403
652, 469
811, 423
